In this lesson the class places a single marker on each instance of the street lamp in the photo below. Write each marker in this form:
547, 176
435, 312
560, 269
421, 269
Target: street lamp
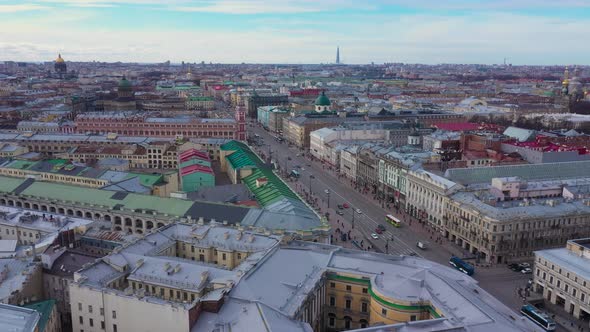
310, 178
327, 191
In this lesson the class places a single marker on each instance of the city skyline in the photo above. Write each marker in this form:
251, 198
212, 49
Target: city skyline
292, 31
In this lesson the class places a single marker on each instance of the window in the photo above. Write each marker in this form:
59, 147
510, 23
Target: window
567, 287
223, 256
114, 327
79, 306
364, 307
102, 325
102, 311
90, 309
365, 290
331, 321
332, 301
81, 320
347, 304
114, 314
582, 297
348, 288
384, 311
412, 318
332, 285
91, 322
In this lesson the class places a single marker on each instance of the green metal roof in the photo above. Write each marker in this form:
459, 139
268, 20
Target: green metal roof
83, 195
124, 83
44, 308
148, 180
275, 189
242, 155
21, 164
323, 100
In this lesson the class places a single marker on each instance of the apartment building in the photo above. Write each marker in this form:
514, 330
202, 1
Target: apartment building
199, 103
428, 196
169, 278
562, 276
209, 278
506, 219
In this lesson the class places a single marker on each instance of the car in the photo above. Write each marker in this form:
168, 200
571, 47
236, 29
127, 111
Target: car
345, 205
524, 265
378, 231
327, 191
526, 270
359, 211
374, 236
289, 158
514, 267
302, 168
340, 213
381, 227
340, 207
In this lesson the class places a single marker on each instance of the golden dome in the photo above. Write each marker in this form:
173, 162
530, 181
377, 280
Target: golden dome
59, 59
566, 82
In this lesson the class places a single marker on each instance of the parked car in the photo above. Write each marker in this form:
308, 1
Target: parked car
346, 206
526, 270
359, 211
374, 236
378, 230
381, 227
340, 207
514, 267
422, 245
340, 213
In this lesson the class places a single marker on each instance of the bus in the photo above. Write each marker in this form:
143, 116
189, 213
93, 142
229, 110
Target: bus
393, 220
538, 317
461, 265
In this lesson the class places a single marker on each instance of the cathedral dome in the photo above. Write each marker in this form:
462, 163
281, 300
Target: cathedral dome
59, 59
124, 83
323, 100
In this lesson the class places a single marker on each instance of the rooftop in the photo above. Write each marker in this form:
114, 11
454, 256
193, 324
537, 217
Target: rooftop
546, 171
18, 319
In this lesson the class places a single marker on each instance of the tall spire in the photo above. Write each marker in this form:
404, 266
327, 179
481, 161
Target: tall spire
337, 55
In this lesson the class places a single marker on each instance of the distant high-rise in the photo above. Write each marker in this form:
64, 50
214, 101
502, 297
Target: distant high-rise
338, 55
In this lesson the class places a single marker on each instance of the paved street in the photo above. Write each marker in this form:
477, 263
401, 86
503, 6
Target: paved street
498, 280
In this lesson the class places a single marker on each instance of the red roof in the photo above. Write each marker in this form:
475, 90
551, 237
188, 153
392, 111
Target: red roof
195, 169
193, 154
548, 146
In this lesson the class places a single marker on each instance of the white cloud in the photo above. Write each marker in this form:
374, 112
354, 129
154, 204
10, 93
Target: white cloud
21, 8
363, 37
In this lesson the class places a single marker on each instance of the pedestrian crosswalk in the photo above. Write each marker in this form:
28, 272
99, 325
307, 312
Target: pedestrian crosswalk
397, 247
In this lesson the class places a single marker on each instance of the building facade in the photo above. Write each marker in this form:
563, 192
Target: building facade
142, 125
561, 277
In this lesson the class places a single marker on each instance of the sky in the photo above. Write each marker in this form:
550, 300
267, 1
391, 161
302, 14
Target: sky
535, 32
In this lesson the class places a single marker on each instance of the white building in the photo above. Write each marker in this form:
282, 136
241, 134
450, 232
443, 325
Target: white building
427, 195
562, 276
320, 139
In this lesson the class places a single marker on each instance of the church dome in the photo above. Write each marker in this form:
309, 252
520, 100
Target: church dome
59, 59
323, 100
124, 83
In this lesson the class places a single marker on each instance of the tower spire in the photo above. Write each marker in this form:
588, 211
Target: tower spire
337, 55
